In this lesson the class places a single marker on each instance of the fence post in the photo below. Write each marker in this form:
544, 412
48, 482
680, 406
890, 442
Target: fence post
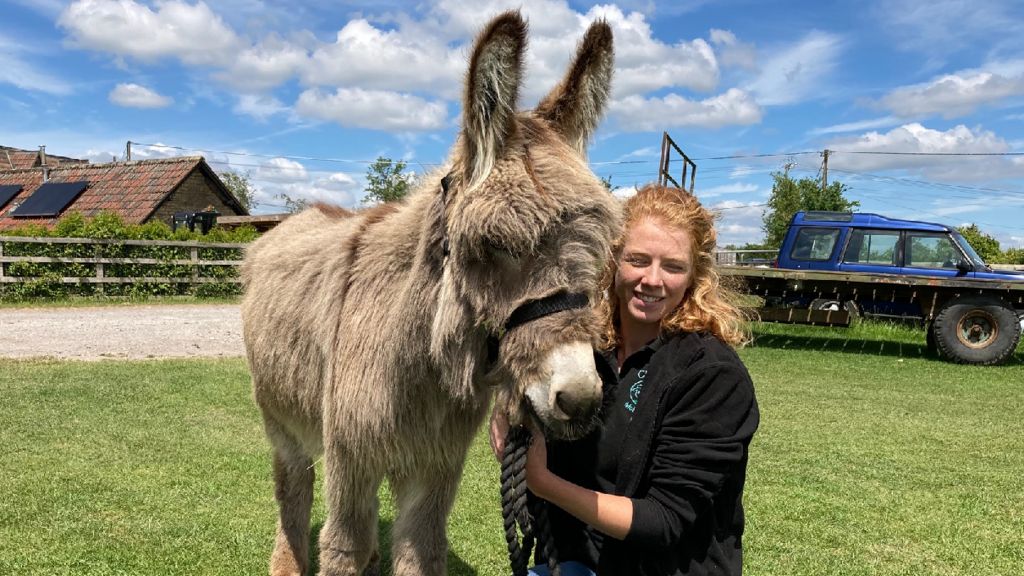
2, 264
97, 252
195, 265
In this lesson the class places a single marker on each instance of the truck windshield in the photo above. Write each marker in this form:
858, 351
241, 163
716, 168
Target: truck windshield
975, 259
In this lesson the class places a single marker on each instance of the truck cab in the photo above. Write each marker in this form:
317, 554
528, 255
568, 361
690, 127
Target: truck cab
863, 242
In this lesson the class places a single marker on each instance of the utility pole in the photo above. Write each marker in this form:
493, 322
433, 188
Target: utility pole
824, 169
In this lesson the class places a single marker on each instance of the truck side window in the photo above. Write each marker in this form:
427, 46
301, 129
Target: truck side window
931, 251
872, 247
814, 243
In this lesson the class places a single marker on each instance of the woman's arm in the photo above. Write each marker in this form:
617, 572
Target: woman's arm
612, 515
698, 446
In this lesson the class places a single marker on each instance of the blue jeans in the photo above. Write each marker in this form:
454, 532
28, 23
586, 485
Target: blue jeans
571, 568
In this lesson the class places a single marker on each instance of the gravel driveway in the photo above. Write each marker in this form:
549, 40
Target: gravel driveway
161, 331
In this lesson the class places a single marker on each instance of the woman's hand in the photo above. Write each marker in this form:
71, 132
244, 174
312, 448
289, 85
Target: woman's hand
498, 432
537, 473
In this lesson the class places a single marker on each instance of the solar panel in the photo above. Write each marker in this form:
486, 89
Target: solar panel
8, 191
49, 199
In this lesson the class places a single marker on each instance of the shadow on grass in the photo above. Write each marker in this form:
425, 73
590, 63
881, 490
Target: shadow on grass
858, 346
456, 566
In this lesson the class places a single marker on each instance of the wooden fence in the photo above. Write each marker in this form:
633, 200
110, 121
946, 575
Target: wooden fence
98, 264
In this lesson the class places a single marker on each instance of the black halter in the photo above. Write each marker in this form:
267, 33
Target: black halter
532, 310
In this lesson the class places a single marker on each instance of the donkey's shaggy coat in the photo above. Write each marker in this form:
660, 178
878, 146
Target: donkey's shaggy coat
367, 334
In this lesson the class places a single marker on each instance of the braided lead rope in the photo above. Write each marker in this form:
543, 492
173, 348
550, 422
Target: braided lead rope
516, 511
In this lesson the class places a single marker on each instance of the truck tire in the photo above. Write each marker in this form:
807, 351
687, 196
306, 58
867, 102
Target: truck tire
976, 330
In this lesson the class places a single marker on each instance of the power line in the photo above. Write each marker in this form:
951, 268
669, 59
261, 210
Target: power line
933, 184
747, 156
929, 153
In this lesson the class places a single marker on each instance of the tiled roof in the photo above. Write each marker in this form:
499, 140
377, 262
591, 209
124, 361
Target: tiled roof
133, 190
15, 158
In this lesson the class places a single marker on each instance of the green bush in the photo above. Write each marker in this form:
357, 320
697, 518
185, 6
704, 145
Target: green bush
46, 283
1014, 256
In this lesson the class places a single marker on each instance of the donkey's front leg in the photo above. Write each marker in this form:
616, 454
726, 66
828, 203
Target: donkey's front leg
348, 541
419, 538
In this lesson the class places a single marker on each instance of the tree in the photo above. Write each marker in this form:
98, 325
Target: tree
293, 205
790, 196
386, 181
986, 246
240, 186
1014, 256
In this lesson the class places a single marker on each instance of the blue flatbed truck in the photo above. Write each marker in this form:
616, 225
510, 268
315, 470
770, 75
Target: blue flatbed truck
834, 266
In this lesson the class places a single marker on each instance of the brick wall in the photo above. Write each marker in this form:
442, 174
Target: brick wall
195, 194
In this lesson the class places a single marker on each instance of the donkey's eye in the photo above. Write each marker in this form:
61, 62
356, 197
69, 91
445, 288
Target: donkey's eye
497, 249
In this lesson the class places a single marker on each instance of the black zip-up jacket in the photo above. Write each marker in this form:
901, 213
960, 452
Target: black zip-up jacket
682, 459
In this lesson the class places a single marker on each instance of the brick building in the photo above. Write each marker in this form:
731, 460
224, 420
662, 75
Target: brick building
139, 191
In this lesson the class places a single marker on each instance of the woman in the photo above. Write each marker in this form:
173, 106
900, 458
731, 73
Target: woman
657, 489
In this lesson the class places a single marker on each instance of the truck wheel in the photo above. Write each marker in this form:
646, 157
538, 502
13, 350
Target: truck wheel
976, 330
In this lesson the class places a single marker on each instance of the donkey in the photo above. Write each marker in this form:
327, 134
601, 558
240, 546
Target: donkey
377, 338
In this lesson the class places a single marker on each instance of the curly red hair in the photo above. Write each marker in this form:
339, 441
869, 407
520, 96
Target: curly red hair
708, 305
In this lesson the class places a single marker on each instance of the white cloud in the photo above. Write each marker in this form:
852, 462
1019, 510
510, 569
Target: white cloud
191, 32
734, 188
797, 73
265, 65
159, 150
855, 126
101, 156
374, 109
259, 106
370, 58
739, 222
917, 138
642, 62
743, 171
732, 51
952, 95
464, 18
734, 107
136, 96
336, 188
281, 170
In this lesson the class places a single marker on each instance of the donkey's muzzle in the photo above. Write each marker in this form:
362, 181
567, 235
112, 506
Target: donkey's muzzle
575, 404
567, 400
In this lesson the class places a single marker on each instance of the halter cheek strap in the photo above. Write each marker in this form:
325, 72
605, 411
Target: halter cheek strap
532, 310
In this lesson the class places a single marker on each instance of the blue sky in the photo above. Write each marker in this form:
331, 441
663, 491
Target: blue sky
302, 95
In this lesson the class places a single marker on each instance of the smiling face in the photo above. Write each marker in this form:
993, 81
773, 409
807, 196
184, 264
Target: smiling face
655, 270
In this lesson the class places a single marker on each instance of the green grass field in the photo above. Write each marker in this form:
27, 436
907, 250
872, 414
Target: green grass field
872, 458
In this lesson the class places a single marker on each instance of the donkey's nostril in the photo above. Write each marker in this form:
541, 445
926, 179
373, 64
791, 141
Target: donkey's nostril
570, 404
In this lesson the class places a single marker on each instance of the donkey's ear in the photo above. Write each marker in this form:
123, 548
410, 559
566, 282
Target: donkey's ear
575, 106
492, 88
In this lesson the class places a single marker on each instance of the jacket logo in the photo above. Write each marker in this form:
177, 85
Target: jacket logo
634, 390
